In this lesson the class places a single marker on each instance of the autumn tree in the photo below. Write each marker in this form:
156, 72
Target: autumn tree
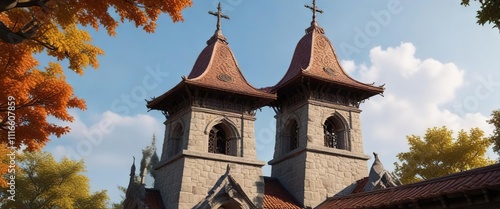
30, 93
489, 12
44, 183
438, 154
495, 138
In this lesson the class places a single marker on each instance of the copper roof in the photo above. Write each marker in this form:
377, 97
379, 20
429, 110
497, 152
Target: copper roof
315, 57
216, 68
276, 197
459, 183
360, 185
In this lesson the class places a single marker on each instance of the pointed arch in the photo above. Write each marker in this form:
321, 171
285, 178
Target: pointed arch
176, 139
290, 134
336, 132
223, 137
226, 202
232, 128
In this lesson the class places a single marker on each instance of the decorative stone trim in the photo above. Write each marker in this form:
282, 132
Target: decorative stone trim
223, 112
334, 106
288, 155
321, 150
210, 156
338, 152
226, 191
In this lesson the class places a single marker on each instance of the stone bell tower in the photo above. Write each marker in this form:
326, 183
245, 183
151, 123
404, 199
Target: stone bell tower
210, 130
319, 149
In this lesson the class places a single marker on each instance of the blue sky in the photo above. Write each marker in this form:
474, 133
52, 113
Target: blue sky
439, 67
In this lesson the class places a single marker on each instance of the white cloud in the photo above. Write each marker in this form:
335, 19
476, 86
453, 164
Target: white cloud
107, 145
348, 65
416, 93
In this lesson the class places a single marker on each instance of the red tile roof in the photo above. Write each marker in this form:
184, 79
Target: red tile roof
216, 68
315, 57
153, 199
360, 185
459, 183
276, 197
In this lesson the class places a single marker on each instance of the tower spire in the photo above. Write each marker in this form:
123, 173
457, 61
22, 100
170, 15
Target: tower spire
314, 9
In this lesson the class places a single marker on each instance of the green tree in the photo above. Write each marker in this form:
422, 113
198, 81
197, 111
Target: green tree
438, 154
495, 138
489, 12
44, 183
30, 29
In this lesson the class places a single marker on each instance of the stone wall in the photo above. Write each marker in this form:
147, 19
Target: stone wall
319, 112
168, 181
182, 119
242, 127
326, 174
200, 176
313, 172
291, 173
184, 179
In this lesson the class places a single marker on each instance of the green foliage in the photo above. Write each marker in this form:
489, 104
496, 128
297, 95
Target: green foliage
120, 204
438, 154
489, 12
495, 138
43, 183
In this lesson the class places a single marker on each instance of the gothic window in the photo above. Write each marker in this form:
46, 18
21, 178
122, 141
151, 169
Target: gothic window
290, 137
175, 141
294, 135
218, 141
335, 133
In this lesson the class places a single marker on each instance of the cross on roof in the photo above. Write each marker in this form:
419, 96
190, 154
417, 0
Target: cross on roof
219, 15
314, 9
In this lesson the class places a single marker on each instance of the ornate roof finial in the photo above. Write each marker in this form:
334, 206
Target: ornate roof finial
218, 33
132, 168
219, 15
314, 9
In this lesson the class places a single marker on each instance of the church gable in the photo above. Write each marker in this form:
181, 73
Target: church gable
226, 194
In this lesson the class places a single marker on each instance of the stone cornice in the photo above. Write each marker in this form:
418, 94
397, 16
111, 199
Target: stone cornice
210, 156
334, 106
320, 150
222, 112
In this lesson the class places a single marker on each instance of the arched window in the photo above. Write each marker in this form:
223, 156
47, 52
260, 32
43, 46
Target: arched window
218, 141
294, 135
335, 134
230, 204
175, 141
290, 137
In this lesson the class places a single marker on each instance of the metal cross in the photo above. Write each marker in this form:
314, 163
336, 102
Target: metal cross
314, 9
219, 15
